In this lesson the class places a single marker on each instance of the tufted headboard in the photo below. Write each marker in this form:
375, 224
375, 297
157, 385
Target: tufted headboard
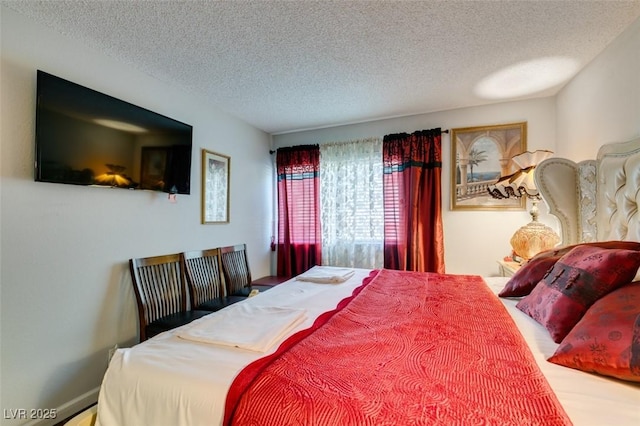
595, 200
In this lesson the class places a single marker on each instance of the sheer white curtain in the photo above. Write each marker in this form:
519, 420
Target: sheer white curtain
351, 203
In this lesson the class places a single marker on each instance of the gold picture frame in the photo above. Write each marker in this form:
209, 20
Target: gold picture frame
216, 173
479, 157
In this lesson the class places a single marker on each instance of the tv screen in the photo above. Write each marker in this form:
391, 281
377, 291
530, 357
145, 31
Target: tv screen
84, 137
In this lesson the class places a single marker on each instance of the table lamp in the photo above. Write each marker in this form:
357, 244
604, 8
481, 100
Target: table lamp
534, 237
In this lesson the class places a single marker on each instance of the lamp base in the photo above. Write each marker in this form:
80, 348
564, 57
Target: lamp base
533, 238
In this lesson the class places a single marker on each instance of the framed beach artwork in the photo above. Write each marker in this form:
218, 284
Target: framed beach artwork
215, 187
479, 157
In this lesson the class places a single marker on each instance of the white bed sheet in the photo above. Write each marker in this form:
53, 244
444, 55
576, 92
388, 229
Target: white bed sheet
171, 381
588, 399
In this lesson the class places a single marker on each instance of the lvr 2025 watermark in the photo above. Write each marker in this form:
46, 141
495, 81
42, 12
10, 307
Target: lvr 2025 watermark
29, 413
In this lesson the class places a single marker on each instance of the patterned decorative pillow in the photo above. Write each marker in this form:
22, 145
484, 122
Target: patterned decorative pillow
576, 281
529, 274
607, 338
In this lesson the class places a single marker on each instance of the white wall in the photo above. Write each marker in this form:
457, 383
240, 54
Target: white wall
474, 240
66, 294
602, 103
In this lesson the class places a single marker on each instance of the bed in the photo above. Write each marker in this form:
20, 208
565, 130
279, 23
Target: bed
389, 347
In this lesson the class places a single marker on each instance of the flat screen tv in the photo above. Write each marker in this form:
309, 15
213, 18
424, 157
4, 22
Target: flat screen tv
84, 137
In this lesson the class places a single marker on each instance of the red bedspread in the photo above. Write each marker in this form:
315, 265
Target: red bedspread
409, 348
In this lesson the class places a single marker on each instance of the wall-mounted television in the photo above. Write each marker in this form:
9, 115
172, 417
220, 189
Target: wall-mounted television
84, 137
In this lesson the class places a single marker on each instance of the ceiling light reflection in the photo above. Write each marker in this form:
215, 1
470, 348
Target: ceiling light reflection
526, 78
120, 125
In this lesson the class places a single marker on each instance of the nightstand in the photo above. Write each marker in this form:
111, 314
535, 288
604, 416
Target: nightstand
507, 269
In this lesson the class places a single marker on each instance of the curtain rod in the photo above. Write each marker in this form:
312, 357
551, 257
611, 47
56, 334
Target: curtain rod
271, 151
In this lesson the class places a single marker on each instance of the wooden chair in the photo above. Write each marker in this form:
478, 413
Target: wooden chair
204, 279
161, 294
235, 268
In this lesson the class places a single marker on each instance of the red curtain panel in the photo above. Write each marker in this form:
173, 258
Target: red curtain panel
413, 234
299, 233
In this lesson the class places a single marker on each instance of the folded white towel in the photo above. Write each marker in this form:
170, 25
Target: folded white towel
242, 325
326, 275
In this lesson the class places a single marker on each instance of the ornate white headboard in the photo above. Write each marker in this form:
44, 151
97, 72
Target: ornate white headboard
595, 200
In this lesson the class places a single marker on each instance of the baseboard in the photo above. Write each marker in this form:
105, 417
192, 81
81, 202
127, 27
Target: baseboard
70, 408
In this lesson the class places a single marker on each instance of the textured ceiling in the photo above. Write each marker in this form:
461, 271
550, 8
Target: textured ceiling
291, 65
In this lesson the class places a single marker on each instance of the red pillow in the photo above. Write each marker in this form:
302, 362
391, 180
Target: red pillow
534, 270
530, 274
607, 338
575, 282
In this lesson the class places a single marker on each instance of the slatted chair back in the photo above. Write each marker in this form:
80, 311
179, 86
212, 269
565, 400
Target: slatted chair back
204, 275
159, 287
235, 268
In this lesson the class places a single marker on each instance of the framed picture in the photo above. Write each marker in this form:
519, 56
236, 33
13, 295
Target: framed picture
153, 167
479, 157
215, 187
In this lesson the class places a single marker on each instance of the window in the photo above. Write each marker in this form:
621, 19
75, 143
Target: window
351, 203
